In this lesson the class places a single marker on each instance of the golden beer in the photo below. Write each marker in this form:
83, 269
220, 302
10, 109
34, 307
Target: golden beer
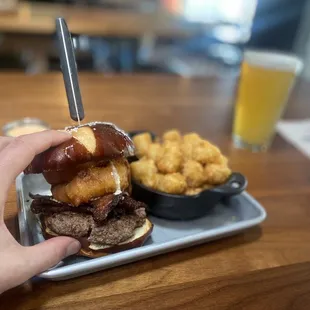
264, 87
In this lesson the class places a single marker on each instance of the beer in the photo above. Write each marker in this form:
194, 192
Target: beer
265, 83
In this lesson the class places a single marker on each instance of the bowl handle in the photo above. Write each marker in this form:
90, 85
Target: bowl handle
236, 184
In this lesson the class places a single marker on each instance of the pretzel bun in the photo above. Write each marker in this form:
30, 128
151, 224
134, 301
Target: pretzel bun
93, 251
90, 143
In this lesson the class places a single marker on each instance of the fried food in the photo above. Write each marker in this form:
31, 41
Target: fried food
144, 171
207, 186
193, 191
190, 142
216, 174
206, 153
92, 183
221, 160
173, 183
193, 173
157, 180
192, 138
194, 147
171, 159
172, 135
142, 142
155, 152
187, 150
59, 193
180, 165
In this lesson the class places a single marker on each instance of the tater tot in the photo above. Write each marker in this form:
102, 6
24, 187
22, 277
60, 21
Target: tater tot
206, 153
172, 135
144, 171
207, 186
173, 183
171, 159
187, 150
216, 174
179, 165
158, 177
190, 142
192, 138
142, 142
194, 174
193, 191
221, 160
168, 145
155, 151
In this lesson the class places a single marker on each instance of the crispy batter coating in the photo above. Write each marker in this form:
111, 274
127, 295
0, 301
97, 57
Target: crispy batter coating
173, 183
171, 159
181, 165
144, 171
93, 182
142, 142
193, 191
206, 153
172, 135
192, 138
221, 160
216, 174
207, 186
193, 172
158, 178
190, 142
59, 193
155, 151
197, 190
187, 150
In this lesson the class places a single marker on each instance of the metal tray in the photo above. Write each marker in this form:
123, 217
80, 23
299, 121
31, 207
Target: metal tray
227, 218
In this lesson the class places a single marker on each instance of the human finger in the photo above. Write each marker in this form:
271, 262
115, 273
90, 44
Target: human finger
26, 262
17, 155
47, 254
4, 141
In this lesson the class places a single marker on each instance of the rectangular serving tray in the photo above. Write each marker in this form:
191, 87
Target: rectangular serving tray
226, 219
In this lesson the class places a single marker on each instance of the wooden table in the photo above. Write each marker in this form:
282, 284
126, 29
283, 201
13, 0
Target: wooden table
39, 19
266, 267
30, 28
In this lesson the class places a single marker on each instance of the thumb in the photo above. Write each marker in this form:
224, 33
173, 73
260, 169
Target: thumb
47, 254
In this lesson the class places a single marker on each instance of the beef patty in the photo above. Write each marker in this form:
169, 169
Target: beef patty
113, 231
69, 224
117, 230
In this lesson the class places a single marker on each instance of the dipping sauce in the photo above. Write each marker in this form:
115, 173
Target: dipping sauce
24, 126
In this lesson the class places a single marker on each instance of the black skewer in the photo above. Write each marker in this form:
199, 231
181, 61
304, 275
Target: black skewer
69, 70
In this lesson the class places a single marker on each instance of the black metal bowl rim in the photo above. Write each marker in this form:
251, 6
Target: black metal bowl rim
216, 189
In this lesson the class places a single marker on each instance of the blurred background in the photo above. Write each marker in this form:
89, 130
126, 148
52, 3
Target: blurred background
188, 38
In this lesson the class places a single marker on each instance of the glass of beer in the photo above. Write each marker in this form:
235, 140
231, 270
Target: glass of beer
266, 81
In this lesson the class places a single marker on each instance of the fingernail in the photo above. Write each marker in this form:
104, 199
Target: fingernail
73, 248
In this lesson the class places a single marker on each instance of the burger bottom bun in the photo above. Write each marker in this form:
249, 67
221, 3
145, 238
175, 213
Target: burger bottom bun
93, 250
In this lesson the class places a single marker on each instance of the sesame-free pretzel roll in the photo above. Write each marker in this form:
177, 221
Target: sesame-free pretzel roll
91, 142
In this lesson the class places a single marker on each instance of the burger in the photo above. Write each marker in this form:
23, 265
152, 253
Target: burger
91, 185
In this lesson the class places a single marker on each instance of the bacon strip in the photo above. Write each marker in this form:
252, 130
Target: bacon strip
100, 208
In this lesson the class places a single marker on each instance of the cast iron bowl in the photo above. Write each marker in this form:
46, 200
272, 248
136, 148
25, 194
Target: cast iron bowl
183, 207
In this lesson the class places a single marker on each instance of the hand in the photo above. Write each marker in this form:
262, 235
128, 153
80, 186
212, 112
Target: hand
18, 263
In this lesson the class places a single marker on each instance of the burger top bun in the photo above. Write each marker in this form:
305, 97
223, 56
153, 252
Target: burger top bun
89, 142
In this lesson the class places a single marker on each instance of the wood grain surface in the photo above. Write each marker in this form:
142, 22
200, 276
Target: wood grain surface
39, 18
266, 267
